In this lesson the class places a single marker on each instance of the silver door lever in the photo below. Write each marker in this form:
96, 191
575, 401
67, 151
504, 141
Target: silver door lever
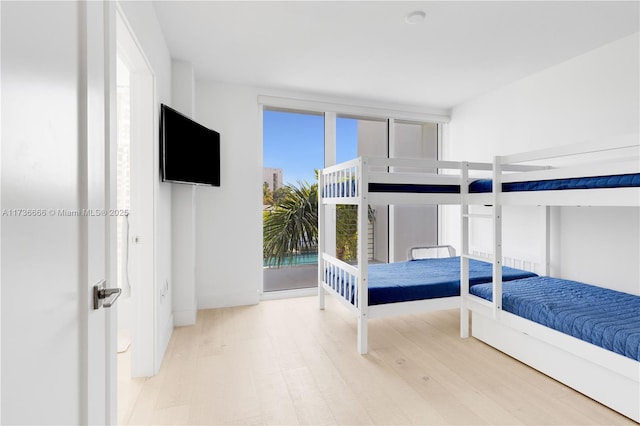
103, 296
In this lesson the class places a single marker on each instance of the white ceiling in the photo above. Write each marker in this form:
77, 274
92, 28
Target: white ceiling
365, 50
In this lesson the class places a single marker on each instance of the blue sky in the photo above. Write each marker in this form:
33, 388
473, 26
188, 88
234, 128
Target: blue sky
295, 143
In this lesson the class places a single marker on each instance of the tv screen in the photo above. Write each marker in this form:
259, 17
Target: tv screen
189, 152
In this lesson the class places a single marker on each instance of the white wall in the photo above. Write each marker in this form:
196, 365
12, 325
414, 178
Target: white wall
142, 19
413, 225
183, 226
589, 98
372, 141
410, 226
229, 217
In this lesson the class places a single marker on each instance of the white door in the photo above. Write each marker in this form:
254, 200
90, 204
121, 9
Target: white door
57, 351
144, 187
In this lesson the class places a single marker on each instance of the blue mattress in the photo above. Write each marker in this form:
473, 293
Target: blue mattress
344, 188
606, 318
427, 279
595, 182
414, 189
486, 185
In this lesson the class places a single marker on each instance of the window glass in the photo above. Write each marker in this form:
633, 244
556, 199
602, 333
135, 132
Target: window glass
293, 149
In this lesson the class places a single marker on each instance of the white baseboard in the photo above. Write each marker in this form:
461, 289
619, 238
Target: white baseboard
185, 317
165, 337
227, 300
289, 294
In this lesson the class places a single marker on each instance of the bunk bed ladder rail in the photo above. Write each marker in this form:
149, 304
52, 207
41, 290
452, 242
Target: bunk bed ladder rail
466, 255
497, 235
363, 258
321, 238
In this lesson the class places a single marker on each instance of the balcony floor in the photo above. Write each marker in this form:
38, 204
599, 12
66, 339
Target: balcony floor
290, 277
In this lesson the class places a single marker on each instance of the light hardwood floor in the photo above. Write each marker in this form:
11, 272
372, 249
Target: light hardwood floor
285, 362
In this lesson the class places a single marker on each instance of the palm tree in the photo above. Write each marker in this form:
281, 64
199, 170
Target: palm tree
267, 195
347, 231
292, 226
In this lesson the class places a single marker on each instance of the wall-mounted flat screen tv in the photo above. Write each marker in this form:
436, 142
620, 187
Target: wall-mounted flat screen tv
189, 152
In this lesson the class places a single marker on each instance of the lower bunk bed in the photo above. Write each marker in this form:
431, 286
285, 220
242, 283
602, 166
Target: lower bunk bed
402, 288
585, 336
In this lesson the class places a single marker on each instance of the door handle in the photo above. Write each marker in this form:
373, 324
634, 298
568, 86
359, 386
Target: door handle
104, 297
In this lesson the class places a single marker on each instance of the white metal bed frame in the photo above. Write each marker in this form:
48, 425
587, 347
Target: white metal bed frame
607, 377
348, 183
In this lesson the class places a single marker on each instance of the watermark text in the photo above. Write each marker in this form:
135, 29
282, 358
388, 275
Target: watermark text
64, 212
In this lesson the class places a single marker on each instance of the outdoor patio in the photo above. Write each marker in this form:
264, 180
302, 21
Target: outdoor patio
290, 277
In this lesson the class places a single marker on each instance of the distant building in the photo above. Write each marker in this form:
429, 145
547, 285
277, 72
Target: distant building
272, 177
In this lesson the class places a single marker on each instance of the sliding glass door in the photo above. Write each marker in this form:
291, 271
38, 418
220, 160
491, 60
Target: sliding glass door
293, 150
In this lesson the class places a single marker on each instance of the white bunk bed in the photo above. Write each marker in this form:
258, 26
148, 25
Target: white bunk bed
602, 374
373, 181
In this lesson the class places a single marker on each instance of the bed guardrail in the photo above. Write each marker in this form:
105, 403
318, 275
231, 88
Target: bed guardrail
525, 262
343, 180
579, 160
342, 280
344, 183
630, 143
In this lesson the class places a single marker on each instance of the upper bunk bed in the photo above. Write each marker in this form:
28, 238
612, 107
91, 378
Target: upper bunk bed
594, 174
562, 176
377, 180
585, 336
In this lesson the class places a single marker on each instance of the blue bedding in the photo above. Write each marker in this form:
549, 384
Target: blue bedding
341, 189
486, 185
414, 189
595, 182
348, 188
606, 318
427, 279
